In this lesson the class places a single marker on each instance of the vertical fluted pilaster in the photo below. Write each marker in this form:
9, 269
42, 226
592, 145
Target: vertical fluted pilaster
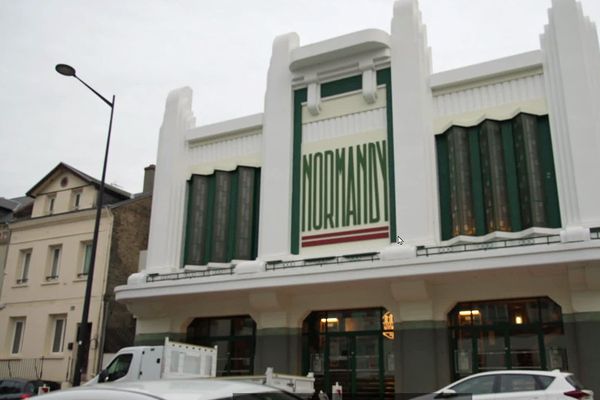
168, 198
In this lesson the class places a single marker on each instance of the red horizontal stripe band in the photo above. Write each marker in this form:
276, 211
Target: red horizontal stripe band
345, 239
344, 233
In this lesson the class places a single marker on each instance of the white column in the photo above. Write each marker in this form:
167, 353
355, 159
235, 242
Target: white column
168, 197
571, 60
414, 147
277, 153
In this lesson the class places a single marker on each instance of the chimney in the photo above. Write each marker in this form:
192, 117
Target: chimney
149, 178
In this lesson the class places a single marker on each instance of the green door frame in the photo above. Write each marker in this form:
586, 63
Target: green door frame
504, 331
353, 335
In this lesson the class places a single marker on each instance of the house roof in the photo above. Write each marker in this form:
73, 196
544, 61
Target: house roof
61, 167
14, 208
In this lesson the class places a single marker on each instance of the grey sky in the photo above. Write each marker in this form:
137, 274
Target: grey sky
140, 50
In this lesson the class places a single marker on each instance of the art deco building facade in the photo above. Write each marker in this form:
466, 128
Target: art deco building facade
382, 226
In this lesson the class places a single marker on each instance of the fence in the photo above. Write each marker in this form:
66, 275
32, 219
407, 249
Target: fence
28, 368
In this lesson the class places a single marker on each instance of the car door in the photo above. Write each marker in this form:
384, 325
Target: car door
520, 387
480, 387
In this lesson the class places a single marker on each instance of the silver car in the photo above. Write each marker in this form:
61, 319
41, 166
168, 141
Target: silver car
172, 389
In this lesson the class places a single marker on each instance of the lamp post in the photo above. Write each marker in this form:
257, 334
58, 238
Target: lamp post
83, 337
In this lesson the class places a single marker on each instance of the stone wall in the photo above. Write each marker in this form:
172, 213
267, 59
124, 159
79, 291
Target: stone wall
130, 236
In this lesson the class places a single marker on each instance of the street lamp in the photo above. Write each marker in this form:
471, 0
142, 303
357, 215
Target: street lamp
83, 339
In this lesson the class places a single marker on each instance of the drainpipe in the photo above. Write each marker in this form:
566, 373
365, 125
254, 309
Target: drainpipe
102, 333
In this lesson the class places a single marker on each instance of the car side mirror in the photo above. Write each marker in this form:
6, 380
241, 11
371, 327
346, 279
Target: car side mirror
446, 393
103, 376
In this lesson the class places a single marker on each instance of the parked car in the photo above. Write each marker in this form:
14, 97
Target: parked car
516, 385
172, 389
16, 389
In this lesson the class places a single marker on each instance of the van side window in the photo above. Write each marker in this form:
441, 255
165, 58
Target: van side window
118, 367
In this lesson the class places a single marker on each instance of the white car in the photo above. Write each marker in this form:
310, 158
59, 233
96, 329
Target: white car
517, 385
172, 389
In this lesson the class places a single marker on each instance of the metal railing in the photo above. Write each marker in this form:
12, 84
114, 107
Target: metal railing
27, 368
210, 271
321, 261
496, 244
422, 251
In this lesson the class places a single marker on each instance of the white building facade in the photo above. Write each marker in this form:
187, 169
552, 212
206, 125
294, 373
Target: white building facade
384, 227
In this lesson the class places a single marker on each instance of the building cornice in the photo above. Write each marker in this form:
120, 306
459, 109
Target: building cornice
524, 257
523, 64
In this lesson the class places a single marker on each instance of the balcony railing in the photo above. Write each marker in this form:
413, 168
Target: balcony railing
190, 274
496, 244
321, 261
422, 251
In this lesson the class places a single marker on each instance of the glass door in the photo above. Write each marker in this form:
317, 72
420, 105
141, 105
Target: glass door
340, 361
524, 349
367, 371
491, 349
353, 361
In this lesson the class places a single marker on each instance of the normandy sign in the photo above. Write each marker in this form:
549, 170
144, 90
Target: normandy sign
344, 186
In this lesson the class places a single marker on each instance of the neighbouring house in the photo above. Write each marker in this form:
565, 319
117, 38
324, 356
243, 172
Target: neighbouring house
383, 226
9, 209
47, 263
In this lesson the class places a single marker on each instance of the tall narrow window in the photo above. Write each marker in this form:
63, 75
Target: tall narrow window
86, 259
493, 177
461, 200
529, 173
58, 337
76, 200
51, 201
24, 270
54, 266
18, 331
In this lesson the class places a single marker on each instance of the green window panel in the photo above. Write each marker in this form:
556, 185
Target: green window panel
494, 177
497, 176
222, 216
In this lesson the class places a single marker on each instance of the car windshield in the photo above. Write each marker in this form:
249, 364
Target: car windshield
118, 368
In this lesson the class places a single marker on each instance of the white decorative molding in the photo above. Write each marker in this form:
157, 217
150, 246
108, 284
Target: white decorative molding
369, 85
232, 147
416, 197
571, 60
224, 130
277, 146
340, 57
499, 113
575, 234
166, 224
313, 98
398, 252
349, 124
489, 95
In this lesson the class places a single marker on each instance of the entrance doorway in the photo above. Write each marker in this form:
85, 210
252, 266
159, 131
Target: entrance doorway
507, 334
351, 348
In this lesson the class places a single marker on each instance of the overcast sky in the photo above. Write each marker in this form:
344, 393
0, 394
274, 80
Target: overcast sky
140, 50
